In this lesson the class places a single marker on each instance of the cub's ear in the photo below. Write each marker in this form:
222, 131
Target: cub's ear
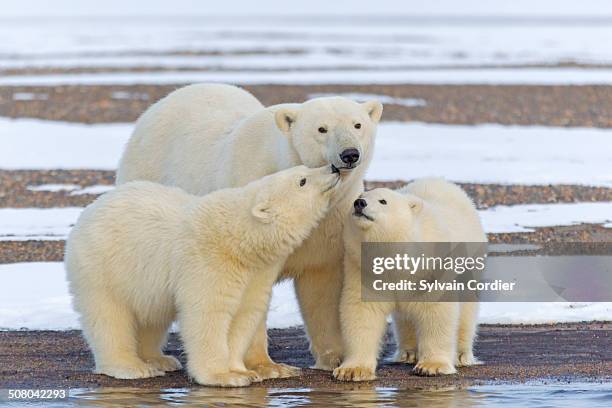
416, 204
262, 210
374, 110
285, 119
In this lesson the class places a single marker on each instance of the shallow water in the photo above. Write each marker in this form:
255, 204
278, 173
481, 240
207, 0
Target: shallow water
534, 396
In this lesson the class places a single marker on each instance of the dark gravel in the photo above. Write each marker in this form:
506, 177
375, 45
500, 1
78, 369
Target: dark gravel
511, 354
585, 106
14, 190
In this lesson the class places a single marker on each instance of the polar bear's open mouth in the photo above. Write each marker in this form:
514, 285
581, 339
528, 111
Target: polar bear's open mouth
363, 215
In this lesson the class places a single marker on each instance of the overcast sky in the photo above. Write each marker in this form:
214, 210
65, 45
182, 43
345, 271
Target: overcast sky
13, 8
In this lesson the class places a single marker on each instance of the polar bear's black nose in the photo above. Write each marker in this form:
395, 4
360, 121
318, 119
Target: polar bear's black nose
350, 156
360, 204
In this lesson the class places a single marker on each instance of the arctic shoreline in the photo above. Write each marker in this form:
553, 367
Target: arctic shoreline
546, 353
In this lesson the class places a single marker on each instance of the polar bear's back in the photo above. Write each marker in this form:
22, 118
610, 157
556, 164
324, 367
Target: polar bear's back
451, 207
181, 131
126, 221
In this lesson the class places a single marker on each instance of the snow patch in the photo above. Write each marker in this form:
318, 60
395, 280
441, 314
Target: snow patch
480, 154
54, 188
384, 99
97, 189
20, 224
523, 218
55, 223
35, 296
492, 76
28, 96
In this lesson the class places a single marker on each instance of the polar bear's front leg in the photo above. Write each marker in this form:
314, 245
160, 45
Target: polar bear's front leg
258, 359
437, 325
109, 328
249, 319
318, 292
405, 338
151, 340
363, 326
206, 310
468, 323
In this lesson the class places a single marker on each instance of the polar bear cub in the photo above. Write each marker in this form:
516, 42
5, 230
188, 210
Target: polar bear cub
145, 254
437, 336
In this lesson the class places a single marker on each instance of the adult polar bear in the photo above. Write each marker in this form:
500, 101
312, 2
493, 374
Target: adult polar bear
209, 136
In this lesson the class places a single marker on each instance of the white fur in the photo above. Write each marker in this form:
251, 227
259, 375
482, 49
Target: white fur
205, 137
145, 254
435, 336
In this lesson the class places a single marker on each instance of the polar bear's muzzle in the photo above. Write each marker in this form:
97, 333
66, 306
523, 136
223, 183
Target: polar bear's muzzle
359, 205
350, 158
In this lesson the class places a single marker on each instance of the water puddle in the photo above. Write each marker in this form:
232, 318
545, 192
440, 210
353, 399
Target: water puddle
573, 395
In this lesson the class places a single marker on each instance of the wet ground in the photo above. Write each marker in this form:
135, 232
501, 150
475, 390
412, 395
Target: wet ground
576, 352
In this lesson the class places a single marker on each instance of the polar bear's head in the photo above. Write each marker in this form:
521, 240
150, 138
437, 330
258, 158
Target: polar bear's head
331, 130
383, 215
293, 201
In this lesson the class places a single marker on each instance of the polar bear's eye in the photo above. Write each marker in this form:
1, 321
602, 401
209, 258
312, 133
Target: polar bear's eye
322, 130
302, 182
383, 201
357, 125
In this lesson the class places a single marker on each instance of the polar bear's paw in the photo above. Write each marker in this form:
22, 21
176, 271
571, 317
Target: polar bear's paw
251, 374
432, 367
276, 370
165, 363
130, 371
466, 359
354, 374
229, 379
404, 356
328, 361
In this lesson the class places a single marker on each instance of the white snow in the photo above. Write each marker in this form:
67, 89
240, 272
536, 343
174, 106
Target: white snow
29, 96
54, 187
522, 218
493, 154
121, 95
484, 153
164, 9
18, 224
55, 223
492, 76
74, 189
38, 144
35, 296
97, 189
384, 99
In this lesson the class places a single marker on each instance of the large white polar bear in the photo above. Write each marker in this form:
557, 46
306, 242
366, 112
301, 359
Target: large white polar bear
144, 254
205, 137
437, 336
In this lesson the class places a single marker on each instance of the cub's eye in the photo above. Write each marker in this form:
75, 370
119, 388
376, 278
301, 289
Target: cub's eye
302, 182
383, 202
322, 130
357, 125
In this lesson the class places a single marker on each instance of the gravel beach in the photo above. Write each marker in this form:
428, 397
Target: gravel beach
583, 106
511, 354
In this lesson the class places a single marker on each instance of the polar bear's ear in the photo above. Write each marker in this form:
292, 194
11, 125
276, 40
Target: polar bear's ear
285, 118
262, 210
416, 204
374, 109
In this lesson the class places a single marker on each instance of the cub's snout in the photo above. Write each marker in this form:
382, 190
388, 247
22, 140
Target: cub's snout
359, 205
